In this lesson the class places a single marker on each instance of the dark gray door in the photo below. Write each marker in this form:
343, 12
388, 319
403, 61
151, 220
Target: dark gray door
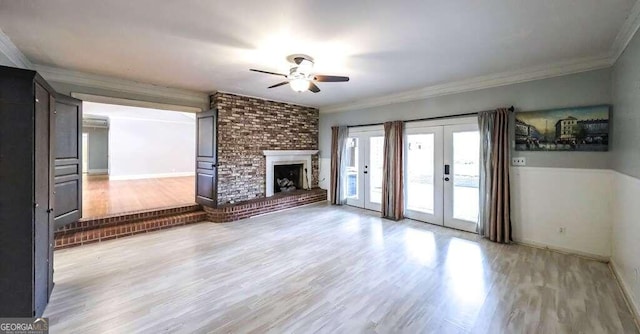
42, 178
207, 158
68, 157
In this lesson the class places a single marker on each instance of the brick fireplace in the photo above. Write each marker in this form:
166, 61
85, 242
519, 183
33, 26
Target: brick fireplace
247, 128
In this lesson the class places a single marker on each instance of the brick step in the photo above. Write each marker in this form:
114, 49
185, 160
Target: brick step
123, 218
82, 234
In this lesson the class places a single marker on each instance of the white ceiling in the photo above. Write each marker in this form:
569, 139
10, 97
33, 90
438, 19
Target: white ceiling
384, 46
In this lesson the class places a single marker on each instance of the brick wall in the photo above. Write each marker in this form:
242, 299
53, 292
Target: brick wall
246, 127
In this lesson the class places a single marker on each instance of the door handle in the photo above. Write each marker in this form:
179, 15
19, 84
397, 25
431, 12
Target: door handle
446, 169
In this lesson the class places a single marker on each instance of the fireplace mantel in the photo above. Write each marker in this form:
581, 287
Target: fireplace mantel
286, 157
290, 152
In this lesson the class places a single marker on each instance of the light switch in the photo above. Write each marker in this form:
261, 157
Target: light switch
519, 161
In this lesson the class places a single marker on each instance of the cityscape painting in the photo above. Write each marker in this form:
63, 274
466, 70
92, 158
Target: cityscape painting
568, 129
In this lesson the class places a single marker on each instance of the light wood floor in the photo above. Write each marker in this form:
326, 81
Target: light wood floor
101, 196
332, 270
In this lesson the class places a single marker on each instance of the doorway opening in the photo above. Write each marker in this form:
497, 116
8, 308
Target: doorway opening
136, 159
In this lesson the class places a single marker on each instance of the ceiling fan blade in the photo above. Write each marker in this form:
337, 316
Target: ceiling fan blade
313, 87
267, 72
279, 84
330, 78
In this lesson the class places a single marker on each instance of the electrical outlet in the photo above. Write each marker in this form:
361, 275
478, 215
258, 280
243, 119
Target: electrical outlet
520, 161
562, 230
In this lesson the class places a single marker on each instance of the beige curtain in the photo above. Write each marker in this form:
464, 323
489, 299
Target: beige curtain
494, 220
392, 172
339, 136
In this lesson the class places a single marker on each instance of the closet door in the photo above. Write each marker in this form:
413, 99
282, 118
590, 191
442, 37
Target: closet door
68, 159
42, 209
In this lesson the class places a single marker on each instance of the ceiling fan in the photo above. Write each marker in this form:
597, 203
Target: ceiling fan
301, 76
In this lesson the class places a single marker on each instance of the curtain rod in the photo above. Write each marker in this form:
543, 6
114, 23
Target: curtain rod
429, 118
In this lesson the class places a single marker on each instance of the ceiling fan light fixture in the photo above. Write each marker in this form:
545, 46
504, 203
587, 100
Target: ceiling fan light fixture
299, 85
301, 77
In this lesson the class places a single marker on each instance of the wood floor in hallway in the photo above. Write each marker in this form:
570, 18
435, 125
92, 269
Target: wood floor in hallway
102, 197
328, 269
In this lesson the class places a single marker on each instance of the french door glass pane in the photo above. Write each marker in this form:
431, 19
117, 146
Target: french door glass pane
420, 172
352, 168
466, 175
376, 147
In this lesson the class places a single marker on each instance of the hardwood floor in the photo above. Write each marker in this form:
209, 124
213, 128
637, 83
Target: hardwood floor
333, 270
101, 196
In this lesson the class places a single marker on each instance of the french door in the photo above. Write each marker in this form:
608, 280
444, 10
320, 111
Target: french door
364, 167
442, 169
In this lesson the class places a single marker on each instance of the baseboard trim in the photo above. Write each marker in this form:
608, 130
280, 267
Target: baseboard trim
624, 288
149, 176
97, 171
585, 255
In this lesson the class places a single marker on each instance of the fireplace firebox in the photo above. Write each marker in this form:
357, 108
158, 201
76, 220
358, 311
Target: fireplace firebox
288, 177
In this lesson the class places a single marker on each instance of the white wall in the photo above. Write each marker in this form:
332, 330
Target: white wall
545, 199
626, 234
146, 143
626, 161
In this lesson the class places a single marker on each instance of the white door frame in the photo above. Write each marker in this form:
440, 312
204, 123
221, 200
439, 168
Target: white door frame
449, 220
436, 217
443, 155
359, 200
363, 134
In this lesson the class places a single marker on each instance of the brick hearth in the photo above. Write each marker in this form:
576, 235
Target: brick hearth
280, 201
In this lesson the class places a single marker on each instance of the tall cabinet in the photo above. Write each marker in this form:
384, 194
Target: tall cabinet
27, 123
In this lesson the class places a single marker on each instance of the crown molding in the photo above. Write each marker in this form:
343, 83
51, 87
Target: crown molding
625, 34
13, 53
106, 83
478, 83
